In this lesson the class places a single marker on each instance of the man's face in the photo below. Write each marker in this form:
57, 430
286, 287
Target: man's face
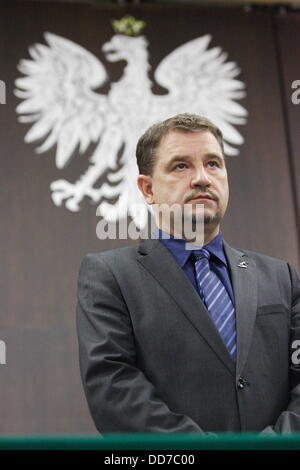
189, 169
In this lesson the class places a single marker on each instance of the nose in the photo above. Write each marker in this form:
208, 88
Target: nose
200, 178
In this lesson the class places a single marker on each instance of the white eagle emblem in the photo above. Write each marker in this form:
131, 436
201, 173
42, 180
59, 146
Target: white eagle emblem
59, 99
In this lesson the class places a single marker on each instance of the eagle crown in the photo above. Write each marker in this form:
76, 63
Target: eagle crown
128, 26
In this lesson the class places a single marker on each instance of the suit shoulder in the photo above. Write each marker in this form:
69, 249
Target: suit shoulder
111, 256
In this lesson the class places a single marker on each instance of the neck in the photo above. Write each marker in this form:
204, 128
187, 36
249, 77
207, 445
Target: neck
209, 235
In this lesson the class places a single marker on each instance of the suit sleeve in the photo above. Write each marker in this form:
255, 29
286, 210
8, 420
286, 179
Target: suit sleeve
119, 395
289, 420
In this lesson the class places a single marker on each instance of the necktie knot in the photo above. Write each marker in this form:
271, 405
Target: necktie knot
202, 253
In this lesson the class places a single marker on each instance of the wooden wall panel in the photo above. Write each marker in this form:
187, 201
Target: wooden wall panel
288, 39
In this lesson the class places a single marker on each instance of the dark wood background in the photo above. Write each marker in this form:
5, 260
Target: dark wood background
42, 245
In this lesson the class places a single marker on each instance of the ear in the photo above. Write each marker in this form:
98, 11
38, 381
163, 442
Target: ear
144, 183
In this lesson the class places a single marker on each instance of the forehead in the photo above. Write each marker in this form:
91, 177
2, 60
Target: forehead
177, 142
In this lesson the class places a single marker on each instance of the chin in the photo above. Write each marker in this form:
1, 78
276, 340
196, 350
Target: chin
206, 215
212, 219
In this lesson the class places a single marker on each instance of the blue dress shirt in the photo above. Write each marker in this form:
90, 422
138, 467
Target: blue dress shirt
218, 262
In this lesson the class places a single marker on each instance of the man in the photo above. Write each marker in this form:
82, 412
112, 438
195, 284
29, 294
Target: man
179, 340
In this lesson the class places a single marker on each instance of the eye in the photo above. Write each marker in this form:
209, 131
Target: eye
180, 166
213, 163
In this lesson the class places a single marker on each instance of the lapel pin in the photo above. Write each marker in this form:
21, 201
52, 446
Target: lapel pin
242, 264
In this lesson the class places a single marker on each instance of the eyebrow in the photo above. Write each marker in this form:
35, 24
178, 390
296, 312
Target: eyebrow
184, 158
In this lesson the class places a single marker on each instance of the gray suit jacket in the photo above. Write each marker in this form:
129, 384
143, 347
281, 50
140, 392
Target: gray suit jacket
152, 360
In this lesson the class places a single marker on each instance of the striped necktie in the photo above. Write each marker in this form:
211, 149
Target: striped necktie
216, 299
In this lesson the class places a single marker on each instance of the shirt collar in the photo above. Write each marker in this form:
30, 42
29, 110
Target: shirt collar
177, 247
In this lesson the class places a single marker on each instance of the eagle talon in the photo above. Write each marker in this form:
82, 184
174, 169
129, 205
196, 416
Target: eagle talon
62, 189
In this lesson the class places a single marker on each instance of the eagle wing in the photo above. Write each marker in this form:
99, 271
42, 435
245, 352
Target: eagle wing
199, 80
58, 97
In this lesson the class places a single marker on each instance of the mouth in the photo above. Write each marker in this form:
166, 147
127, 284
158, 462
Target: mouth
202, 197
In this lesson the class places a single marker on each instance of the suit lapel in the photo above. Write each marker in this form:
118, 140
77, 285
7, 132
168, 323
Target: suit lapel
157, 259
244, 281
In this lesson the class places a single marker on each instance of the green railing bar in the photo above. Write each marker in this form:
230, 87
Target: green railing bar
151, 441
